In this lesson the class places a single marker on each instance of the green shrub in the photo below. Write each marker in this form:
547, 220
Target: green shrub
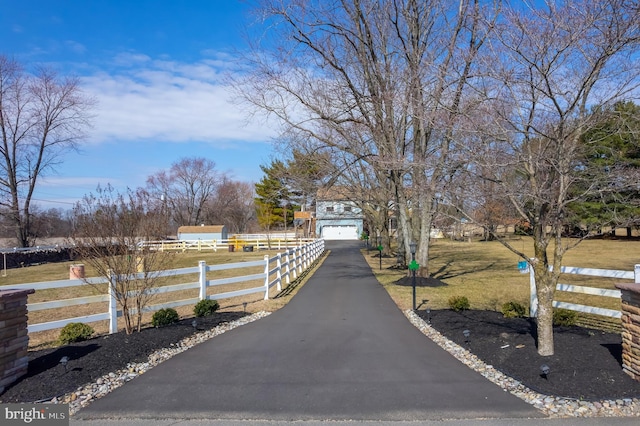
564, 317
166, 316
75, 332
459, 303
514, 310
205, 308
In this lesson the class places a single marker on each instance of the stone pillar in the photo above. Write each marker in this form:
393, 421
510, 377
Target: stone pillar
14, 340
630, 329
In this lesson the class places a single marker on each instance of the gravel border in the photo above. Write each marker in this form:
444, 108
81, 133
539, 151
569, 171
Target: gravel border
551, 406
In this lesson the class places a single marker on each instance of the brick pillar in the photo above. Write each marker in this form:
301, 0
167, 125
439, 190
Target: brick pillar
630, 329
14, 340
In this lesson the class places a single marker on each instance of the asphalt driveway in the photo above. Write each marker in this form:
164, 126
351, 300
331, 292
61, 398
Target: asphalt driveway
340, 350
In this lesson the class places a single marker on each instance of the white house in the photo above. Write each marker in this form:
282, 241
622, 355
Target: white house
337, 216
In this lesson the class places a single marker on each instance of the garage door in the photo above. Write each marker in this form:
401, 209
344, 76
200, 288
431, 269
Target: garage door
345, 232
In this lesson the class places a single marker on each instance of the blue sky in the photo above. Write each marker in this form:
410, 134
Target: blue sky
156, 69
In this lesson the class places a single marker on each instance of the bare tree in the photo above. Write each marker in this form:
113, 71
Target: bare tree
108, 229
51, 223
233, 205
383, 82
551, 63
42, 116
186, 188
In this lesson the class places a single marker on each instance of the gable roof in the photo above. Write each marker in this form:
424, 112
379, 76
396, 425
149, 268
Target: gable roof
335, 193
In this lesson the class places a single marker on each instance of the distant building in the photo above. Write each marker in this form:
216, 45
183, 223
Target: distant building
337, 216
204, 233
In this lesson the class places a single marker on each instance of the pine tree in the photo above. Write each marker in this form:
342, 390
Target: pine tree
273, 201
612, 158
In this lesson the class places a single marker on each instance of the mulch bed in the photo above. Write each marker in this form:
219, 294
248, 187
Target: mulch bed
587, 363
96, 357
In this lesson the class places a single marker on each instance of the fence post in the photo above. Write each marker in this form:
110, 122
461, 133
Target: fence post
202, 279
294, 262
533, 297
279, 271
215, 245
113, 305
299, 260
266, 278
287, 269
636, 274
307, 261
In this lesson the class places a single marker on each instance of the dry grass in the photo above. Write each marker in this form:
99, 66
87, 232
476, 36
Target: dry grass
60, 271
486, 273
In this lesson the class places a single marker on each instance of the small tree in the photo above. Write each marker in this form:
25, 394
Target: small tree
549, 64
108, 227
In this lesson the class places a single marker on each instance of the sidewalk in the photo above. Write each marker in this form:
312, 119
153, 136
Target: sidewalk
340, 350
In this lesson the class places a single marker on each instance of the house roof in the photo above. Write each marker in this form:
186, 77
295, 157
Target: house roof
209, 229
335, 193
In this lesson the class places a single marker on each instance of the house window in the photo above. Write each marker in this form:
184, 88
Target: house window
329, 209
347, 208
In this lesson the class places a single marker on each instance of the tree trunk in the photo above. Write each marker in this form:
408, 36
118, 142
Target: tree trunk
545, 289
404, 225
426, 222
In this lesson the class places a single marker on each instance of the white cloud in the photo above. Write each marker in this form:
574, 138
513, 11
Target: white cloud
130, 59
147, 99
75, 47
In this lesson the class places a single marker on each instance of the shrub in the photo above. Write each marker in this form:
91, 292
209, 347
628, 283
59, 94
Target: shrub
205, 307
564, 317
459, 303
513, 310
164, 317
75, 332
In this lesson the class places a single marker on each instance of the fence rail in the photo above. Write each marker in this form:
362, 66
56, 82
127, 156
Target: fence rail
256, 242
594, 291
288, 266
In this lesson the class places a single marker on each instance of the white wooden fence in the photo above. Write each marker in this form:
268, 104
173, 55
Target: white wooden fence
256, 242
284, 267
604, 273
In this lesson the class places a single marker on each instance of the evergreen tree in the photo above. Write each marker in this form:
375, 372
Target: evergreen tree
273, 202
612, 159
